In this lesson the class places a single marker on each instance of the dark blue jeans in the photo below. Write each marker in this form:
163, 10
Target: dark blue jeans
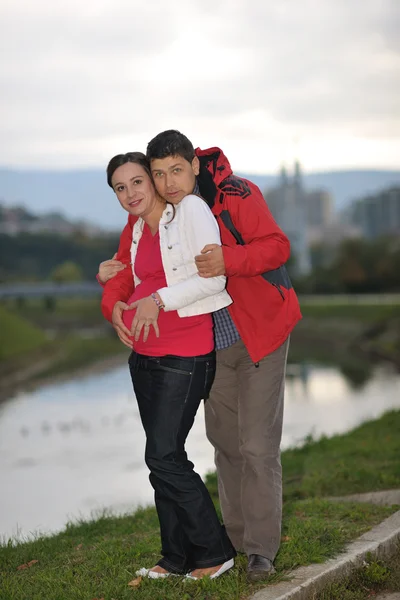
169, 390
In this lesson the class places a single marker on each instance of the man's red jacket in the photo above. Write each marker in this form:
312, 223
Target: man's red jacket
265, 308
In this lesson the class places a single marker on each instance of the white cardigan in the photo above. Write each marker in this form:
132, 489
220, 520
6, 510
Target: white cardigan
181, 240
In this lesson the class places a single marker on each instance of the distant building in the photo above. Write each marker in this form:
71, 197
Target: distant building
319, 208
378, 214
321, 218
287, 204
334, 234
302, 215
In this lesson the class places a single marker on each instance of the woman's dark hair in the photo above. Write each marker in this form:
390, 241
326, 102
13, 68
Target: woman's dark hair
138, 158
170, 143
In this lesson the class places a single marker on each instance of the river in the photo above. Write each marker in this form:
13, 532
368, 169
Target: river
70, 449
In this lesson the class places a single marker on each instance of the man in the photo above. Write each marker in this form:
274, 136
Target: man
245, 410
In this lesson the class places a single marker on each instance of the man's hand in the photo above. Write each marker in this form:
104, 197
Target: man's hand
146, 316
210, 262
109, 268
118, 324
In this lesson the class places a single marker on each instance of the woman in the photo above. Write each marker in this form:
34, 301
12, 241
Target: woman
173, 363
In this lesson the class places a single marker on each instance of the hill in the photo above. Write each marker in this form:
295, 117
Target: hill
84, 194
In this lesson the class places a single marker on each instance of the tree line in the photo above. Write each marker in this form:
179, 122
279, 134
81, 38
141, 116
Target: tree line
39, 257
356, 266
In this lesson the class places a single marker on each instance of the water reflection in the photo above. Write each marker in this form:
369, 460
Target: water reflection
70, 448
357, 373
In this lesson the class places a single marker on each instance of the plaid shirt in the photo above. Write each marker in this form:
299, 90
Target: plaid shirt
225, 331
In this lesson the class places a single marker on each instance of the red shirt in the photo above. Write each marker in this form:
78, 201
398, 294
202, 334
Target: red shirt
181, 336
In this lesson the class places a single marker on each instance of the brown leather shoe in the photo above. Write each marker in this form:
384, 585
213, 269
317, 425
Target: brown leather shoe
259, 567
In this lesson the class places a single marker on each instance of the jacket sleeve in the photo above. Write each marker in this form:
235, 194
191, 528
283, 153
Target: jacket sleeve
121, 286
201, 229
265, 247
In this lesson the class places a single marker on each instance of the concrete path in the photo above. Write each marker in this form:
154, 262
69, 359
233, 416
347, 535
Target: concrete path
381, 542
383, 498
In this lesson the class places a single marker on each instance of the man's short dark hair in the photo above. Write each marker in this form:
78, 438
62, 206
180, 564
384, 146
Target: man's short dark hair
170, 143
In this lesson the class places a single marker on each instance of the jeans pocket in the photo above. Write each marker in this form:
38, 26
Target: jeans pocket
167, 364
173, 370
209, 378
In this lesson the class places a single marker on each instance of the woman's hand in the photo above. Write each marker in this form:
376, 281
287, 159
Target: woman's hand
146, 316
118, 324
109, 268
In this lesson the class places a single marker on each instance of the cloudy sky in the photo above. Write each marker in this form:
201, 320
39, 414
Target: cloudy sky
81, 80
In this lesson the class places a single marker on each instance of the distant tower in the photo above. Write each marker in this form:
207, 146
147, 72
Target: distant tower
284, 176
298, 186
301, 246
297, 171
288, 206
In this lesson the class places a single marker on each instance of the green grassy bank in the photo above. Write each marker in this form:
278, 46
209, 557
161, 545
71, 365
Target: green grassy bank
58, 314
352, 336
35, 343
18, 336
375, 576
98, 559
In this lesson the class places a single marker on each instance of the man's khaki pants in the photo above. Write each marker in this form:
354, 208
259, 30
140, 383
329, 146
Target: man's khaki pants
244, 416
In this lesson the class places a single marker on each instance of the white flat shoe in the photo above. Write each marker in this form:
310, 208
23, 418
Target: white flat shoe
143, 572
223, 568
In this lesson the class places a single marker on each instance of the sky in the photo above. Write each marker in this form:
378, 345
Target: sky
265, 80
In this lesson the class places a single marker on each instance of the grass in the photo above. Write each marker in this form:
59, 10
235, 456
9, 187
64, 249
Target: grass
375, 576
363, 460
18, 336
66, 312
342, 325
64, 355
74, 352
25, 348
366, 313
98, 559
367, 458
353, 336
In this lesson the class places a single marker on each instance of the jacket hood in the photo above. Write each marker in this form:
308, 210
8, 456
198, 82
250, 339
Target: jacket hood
215, 161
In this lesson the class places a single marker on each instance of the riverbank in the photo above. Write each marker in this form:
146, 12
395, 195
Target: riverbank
353, 336
98, 559
59, 359
38, 344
